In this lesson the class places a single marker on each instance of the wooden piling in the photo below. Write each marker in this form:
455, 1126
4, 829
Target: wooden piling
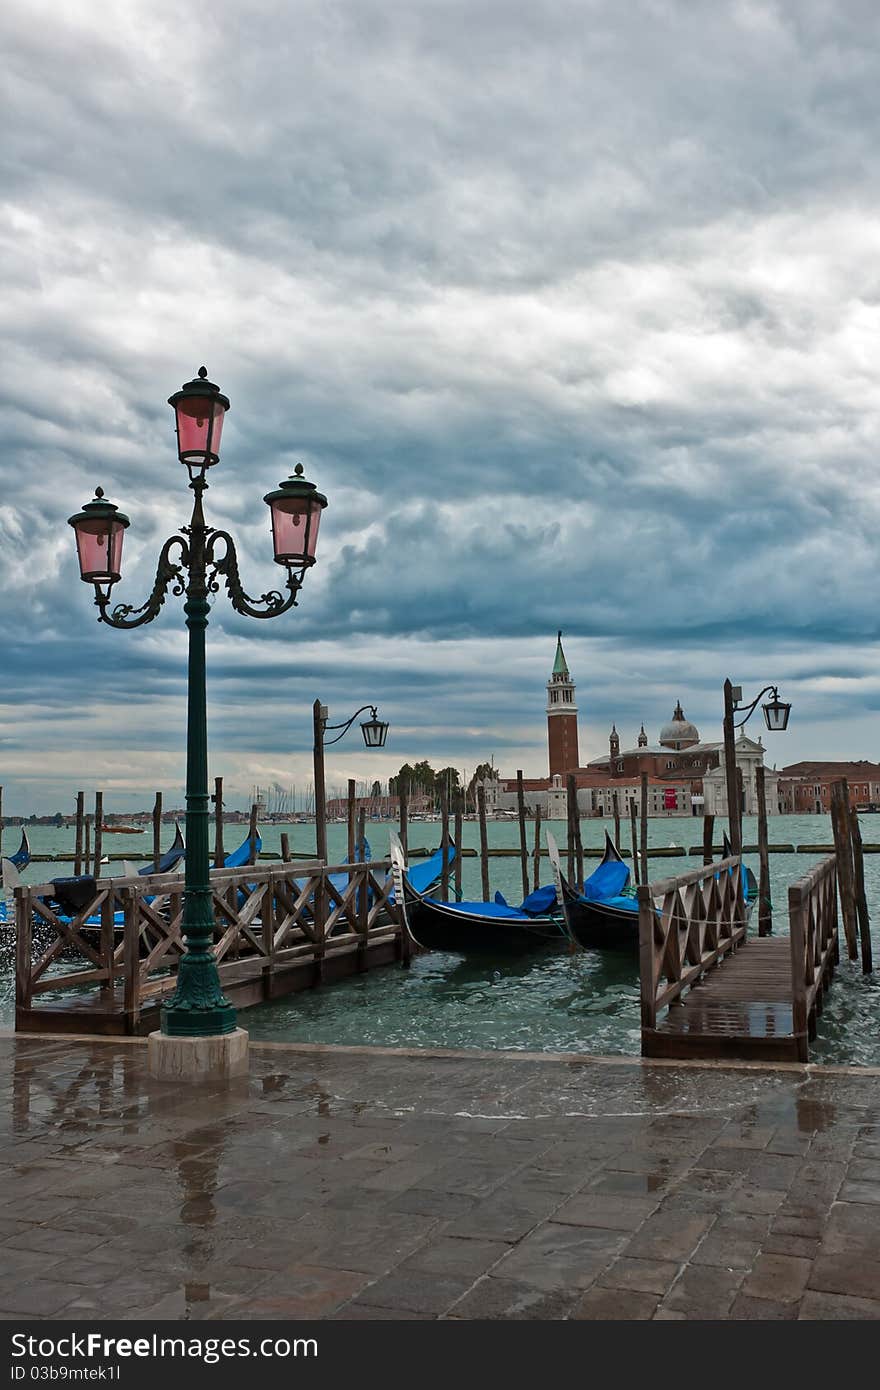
843, 850
859, 889
157, 831
536, 879
644, 828
252, 835
351, 815
78, 842
87, 845
765, 908
107, 946
285, 848
1, 822
484, 844
523, 847
615, 805
217, 798
362, 835
578, 843
740, 803
708, 839
444, 841
634, 838
456, 868
402, 796
99, 831
569, 830
575, 832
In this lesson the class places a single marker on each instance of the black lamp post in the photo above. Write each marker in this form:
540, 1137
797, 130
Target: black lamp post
194, 563
374, 730
776, 714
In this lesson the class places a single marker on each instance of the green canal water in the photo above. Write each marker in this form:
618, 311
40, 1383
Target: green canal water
554, 1001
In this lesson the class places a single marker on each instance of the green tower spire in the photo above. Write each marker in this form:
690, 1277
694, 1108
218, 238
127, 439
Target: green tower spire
560, 665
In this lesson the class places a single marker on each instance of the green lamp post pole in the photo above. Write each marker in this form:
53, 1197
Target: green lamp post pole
204, 557
198, 1006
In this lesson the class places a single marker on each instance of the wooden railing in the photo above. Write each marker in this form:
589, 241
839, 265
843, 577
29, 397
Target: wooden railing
813, 932
266, 921
687, 924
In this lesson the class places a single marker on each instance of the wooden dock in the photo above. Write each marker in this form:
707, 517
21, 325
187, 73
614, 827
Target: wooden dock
107, 967
727, 994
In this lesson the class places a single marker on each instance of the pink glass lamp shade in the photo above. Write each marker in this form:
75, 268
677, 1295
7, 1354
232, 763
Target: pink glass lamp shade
199, 410
296, 507
99, 529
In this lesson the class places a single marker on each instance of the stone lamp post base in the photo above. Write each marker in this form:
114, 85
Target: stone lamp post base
216, 1058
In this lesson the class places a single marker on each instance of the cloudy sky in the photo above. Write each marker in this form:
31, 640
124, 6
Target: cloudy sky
572, 309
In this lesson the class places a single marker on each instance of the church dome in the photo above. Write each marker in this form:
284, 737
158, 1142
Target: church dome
679, 732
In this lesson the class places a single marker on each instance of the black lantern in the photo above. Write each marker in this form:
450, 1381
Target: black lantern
374, 731
776, 714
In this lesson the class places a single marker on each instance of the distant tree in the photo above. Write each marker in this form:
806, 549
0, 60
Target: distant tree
403, 779
446, 777
424, 776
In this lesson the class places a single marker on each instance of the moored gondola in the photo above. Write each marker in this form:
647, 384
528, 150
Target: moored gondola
478, 928
19, 860
750, 883
611, 922
602, 917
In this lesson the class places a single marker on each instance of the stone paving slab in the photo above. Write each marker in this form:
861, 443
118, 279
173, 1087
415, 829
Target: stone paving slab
385, 1183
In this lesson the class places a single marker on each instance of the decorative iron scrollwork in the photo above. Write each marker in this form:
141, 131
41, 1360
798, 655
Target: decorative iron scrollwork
268, 605
168, 575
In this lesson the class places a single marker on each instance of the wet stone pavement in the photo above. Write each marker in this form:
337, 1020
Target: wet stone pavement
343, 1183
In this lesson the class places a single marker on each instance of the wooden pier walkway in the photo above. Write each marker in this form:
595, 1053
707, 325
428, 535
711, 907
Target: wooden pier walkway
727, 994
106, 966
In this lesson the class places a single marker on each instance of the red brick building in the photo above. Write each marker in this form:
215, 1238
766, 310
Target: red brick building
562, 717
805, 788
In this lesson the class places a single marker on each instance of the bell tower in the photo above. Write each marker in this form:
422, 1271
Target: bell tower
562, 723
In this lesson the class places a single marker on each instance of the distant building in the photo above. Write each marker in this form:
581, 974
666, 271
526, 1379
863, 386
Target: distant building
562, 716
685, 775
805, 788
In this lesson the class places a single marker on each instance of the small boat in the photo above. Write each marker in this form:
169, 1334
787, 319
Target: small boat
482, 928
424, 875
171, 858
123, 830
19, 860
11, 868
22, 856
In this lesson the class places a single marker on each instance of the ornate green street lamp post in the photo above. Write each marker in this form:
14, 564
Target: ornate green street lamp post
193, 563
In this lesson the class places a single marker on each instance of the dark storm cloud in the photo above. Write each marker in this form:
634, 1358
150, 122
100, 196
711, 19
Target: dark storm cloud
572, 309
